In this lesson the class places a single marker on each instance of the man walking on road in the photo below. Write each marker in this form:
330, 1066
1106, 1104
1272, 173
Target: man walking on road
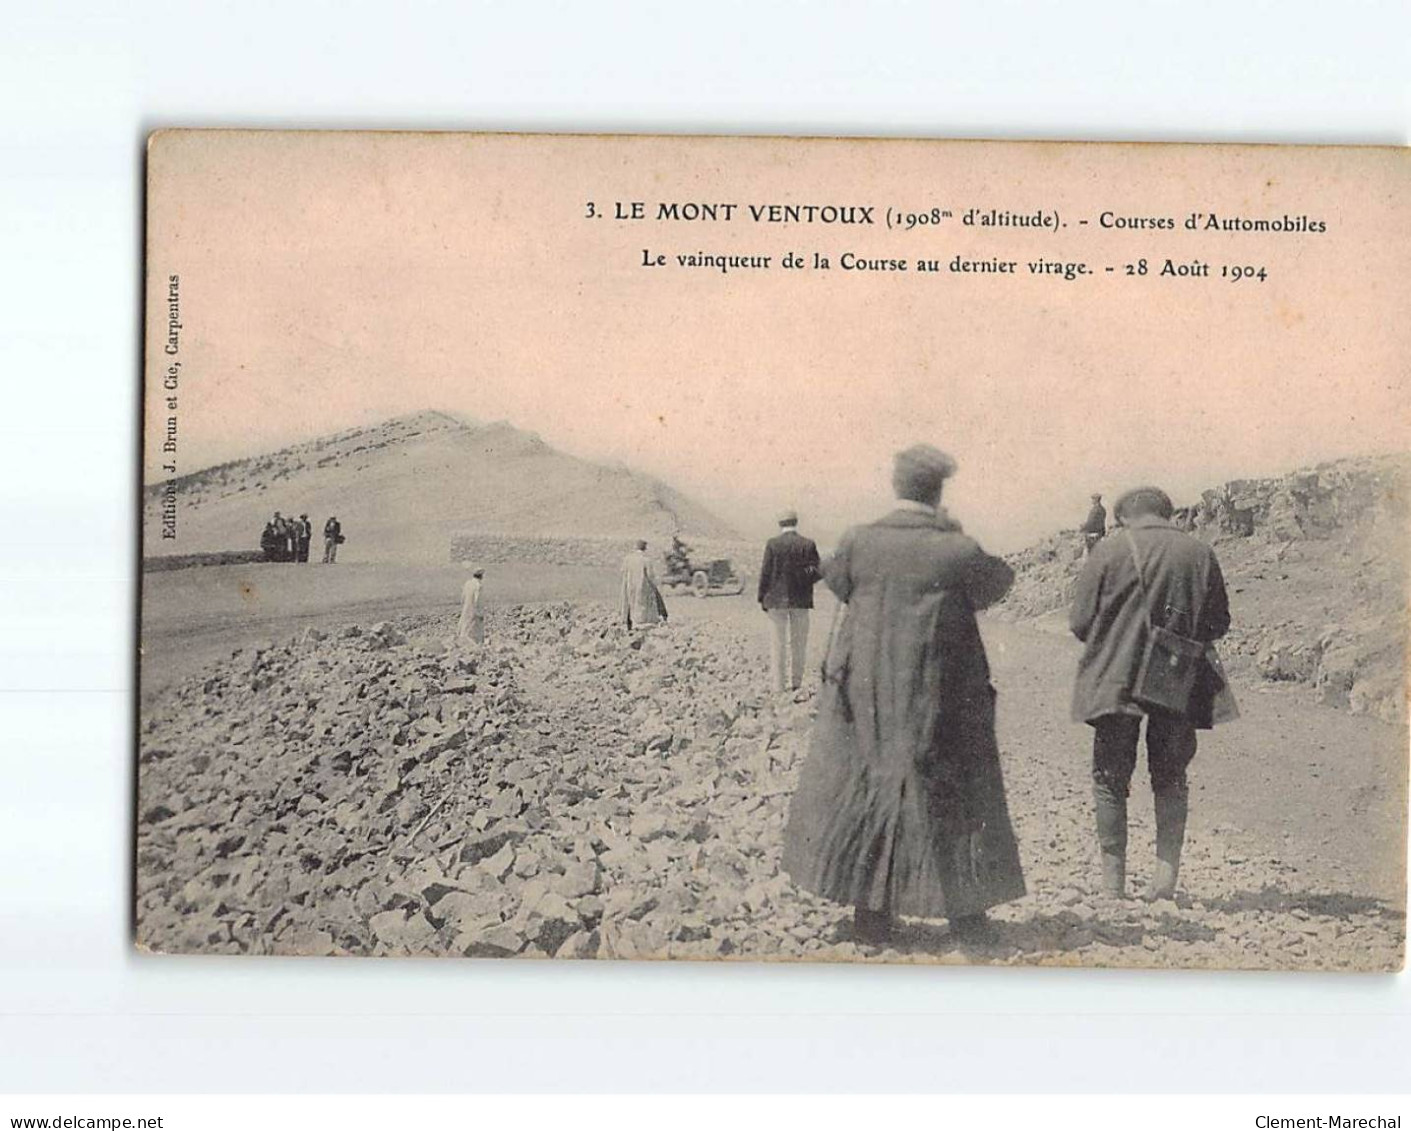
786, 580
1150, 602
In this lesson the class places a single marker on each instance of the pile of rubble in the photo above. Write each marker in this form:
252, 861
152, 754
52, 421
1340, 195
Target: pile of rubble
572, 790
284, 794
1044, 576
381, 792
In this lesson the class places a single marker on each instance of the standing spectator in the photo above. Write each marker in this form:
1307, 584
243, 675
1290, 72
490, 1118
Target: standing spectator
281, 537
639, 600
471, 629
270, 544
900, 807
303, 535
332, 539
786, 579
1095, 525
1150, 577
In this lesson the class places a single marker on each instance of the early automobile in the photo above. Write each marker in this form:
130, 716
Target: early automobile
703, 578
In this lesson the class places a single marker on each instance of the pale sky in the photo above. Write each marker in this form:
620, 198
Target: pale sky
332, 280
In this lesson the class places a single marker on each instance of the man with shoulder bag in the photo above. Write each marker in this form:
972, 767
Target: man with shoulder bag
1149, 605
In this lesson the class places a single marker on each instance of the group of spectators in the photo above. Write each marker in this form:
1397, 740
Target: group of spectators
288, 539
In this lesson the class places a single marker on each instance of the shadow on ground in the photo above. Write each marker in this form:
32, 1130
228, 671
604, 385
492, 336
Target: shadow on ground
1322, 905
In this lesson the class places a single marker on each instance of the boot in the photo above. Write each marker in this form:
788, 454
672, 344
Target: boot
974, 930
871, 928
1163, 878
1114, 874
1112, 837
1171, 809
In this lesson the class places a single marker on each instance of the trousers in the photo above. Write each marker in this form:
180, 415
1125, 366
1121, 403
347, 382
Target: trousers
1170, 746
790, 646
330, 549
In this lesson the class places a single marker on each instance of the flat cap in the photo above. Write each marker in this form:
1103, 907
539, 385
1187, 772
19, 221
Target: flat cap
924, 461
788, 517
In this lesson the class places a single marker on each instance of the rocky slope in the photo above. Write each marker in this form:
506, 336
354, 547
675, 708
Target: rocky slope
1315, 562
572, 791
404, 488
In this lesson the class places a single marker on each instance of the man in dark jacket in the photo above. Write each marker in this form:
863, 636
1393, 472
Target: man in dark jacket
303, 535
1185, 593
282, 538
786, 580
332, 537
270, 544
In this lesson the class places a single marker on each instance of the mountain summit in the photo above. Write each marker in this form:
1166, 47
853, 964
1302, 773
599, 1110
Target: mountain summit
403, 488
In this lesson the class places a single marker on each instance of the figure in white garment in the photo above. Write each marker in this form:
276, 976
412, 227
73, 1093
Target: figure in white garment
640, 602
472, 625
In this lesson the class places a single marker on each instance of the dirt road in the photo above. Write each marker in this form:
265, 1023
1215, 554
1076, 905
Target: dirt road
192, 617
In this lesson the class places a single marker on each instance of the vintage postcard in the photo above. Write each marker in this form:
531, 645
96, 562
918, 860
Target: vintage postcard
832, 550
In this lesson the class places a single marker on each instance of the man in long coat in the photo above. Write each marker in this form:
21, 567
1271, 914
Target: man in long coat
471, 628
332, 536
639, 601
900, 808
1185, 593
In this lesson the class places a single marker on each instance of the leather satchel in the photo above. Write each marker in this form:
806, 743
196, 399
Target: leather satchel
1170, 669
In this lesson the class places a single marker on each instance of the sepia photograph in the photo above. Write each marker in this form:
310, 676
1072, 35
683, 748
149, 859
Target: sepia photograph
764, 549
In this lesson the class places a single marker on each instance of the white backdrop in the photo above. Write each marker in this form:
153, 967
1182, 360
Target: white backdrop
81, 85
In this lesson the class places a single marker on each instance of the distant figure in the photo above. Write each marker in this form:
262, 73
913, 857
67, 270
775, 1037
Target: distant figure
1094, 526
471, 629
271, 545
641, 602
678, 558
288, 533
281, 537
332, 539
1150, 576
786, 579
303, 535
900, 807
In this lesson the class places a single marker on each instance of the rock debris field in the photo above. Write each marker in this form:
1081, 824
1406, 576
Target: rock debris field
575, 792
